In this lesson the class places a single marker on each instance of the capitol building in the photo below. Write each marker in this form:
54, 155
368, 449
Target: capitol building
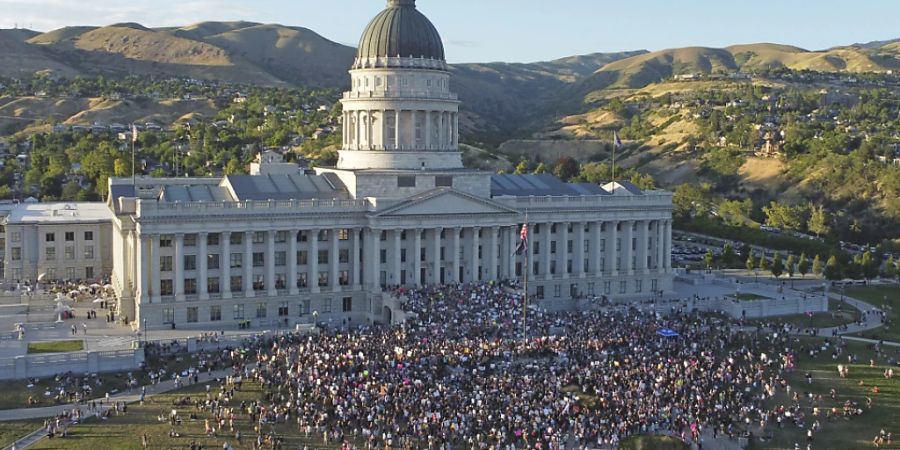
282, 247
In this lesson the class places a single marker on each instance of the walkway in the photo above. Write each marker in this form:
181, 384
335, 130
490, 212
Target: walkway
127, 397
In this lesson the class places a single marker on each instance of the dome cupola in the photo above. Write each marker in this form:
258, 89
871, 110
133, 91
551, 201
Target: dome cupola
400, 32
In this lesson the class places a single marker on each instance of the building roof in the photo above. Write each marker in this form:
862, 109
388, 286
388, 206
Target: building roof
285, 187
61, 213
401, 31
202, 193
540, 185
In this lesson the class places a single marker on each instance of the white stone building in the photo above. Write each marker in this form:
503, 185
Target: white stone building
57, 242
398, 209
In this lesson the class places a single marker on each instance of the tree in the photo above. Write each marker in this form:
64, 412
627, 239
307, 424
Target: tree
566, 168
763, 262
782, 216
541, 168
817, 265
818, 222
522, 167
869, 265
803, 265
708, 259
734, 212
691, 200
890, 268
750, 264
728, 255
832, 269
777, 265
791, 263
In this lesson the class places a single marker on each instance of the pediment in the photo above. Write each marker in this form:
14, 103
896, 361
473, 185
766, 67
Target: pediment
447, 202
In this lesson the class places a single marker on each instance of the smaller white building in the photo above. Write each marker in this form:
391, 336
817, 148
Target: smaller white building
270, 162
57, 241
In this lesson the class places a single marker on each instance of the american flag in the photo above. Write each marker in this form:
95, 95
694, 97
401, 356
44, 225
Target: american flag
523, 240
616, 141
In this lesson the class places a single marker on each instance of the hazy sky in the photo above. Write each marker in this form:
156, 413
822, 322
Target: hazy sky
513, 30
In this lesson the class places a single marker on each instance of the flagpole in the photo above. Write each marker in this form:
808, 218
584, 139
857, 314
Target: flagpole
133, 159
525, 296
615, 146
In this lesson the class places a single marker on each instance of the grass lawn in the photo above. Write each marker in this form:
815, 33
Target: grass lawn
55, 347
10, 431
853, 433
15, 393
748, 296
888, 299
837, 315
652, 443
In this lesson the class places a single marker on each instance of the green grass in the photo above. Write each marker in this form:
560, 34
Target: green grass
838, 434
55, 347
888, 299
652, 443
10, 431
832, 318
16, 394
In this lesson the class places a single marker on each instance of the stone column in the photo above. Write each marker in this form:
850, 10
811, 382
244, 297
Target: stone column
436, 256
454, 276
667, 254
292, 262
354, 260
455, 136
612, 247
660, 247
578, 245
397, 129
335, 261
417, 257
476, 261
248, 264
492, 257
562, 249
412, 129
225, 265
178, 262
203, 268
375, 262
545, 250
312, 261
155, 290
643, 244
145, 262
271, 290
395, 264
628, 247
511, 235
428, 143
596, 249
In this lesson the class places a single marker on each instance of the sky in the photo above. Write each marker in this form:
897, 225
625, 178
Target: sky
513, 30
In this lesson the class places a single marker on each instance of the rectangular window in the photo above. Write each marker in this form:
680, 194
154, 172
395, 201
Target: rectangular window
654, 285
165, 263
326, 305
303, 236
89, 252
260, 310
89, 235
168, 315
344, 278
89, 272
303, 308
237, 260
343, 234
323, 256
344, 256
280, 259
283, 309
259, 259
215, 313
323, 235
70, 236
323, 279
238, 312
590, 288
406, 181
190, 286
237, 238
50, 237
190, 262
259, 237
237, 283
383, 258
607, 287
70, 273
557, 291
165, 287
212, 239
301, 280
70, 253
165, 241
347, 304
552, 246
50, 253
443, 181
259, 283
281, 237
280, 281
301, 258
623, 287
212, 261
638, 286
15, 236
537, 248
192, 314
16, 253
539, 292
212, 285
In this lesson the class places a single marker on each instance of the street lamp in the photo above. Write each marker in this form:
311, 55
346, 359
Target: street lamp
146, 332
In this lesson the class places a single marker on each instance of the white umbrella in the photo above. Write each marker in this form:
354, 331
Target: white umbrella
107, 286
98, 300
60, 307
96, 286
82, 287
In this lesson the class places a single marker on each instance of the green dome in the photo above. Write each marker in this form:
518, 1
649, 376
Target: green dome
401, 31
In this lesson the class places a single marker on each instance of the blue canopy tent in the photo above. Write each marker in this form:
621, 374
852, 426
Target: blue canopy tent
667, 332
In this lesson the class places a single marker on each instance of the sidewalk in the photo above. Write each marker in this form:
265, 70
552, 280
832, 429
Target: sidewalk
127, 397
